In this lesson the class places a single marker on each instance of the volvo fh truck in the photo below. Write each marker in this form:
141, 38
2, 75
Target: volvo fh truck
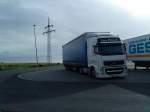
100, 54
138, 50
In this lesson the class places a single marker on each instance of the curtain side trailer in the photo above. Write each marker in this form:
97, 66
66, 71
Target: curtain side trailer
138, 50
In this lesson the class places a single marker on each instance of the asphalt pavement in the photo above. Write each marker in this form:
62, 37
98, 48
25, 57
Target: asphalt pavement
59, 90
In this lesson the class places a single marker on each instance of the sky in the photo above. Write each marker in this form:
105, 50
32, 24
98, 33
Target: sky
126, 18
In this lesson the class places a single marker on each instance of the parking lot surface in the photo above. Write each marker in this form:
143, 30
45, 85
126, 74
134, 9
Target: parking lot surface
60, 90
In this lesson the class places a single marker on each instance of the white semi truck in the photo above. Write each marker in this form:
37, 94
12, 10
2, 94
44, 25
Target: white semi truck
101, 54
138, 50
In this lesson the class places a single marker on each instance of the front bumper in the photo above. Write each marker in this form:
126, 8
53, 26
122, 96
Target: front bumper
113, 71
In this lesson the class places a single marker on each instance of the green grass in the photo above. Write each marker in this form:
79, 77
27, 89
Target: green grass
10, 66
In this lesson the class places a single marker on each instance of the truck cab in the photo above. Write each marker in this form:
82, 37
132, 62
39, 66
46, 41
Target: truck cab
106, 56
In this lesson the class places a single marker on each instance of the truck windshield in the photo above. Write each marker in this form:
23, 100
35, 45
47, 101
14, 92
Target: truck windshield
112, 49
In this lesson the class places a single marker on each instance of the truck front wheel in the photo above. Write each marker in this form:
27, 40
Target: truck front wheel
92, 72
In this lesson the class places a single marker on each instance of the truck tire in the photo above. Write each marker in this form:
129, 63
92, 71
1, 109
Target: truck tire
92, 72
67, 68
77, 69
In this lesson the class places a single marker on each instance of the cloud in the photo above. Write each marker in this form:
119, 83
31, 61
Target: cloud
70, 17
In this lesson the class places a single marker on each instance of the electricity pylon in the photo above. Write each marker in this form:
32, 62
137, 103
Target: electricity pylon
49, 46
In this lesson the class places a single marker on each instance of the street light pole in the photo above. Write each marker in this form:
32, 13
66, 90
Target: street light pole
36, 54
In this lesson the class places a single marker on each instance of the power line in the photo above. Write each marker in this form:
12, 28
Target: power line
36, 54
48, 32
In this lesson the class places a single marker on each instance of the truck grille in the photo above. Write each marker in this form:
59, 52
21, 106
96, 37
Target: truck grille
110, 63
111, 71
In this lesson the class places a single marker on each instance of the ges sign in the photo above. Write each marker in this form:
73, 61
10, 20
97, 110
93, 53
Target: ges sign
141, 47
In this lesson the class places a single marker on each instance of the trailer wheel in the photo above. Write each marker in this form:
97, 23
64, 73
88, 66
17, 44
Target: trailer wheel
66, 68
77, 69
